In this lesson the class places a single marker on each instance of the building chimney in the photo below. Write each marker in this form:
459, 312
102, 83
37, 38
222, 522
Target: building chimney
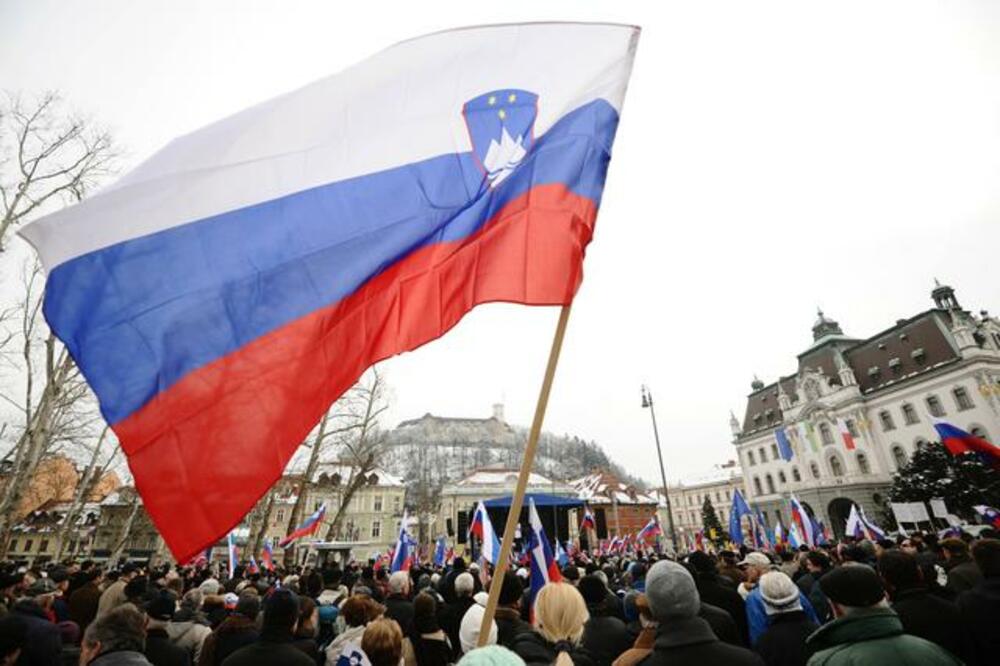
498, 412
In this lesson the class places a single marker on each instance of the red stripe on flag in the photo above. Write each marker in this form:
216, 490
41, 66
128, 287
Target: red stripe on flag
204, 451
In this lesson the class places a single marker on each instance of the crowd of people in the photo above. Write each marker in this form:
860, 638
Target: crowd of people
915, 600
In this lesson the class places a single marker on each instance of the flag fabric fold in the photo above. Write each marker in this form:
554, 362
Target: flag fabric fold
958, 441
402, 556
223, 294
739, 509
784, 446
587, 522
308, 527
481, 527
802, 520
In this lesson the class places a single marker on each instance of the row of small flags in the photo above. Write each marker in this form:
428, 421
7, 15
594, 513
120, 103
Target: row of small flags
956, 440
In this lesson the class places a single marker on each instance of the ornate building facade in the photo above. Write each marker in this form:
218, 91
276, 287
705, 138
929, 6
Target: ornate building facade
884, 391
688, 496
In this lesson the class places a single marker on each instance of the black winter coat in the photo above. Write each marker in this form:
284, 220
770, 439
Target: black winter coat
273, 650
160, 651
962, 575
605, 637
236, 631
510, 625
691, 642
716, 593
536, 651
784, 642
400, 609
723, 626
451, 621
980, 608
932, 618
42, 643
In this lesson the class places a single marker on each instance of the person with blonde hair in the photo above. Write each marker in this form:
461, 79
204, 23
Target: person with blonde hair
382, 643
559, 616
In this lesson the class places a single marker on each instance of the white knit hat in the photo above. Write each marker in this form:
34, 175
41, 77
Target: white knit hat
779, 593
468, 632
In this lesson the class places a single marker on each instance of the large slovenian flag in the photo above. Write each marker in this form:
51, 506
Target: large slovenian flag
958, 441
309, 526
800, 517
588, 522
224, 293
267, 556
544, 568
483, 528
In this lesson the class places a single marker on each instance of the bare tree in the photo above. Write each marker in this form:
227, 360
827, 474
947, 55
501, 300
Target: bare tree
259, 519
48, 154
54, 403
126, 530
364, 445
85, 489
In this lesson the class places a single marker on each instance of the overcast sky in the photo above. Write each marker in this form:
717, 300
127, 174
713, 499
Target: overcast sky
772, 157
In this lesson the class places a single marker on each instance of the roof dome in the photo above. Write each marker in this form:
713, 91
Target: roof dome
825, 326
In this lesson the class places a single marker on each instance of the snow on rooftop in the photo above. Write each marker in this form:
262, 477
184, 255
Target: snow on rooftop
500, 477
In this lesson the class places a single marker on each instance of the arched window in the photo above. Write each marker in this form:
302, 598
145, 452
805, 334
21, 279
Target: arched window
934, 406
763, 454
863, 464
887, 423
920, 444
758, 490
750, 458
770, 484
782, 479
910, 414
795, 474
814, 469
898, 456
826, 434
774, 451
836, 467
962, 399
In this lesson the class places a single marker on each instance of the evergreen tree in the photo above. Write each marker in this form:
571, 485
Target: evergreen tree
710, 522
961, 481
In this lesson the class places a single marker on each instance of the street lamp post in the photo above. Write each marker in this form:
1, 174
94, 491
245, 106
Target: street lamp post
647, 401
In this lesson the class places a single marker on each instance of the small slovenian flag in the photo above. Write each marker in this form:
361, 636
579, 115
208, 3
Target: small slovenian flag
779, 537
800, 517
649, 530
402, 558
845, 434
957, 441
252, 567
310, 526
483, 528
588, 522
267, 557
989, 515
544, 568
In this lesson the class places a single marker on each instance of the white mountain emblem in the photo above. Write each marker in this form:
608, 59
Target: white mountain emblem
501, 158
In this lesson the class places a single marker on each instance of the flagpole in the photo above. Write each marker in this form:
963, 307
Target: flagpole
517, 500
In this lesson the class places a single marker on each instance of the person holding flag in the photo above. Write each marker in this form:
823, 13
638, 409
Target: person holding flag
544, 568
650, 530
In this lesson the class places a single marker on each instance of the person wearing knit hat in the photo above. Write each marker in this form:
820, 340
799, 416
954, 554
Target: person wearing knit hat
784, 641
508, 613
472, 621
604, 635
159, 648
756, 566
430, 643
866, 630
683, 637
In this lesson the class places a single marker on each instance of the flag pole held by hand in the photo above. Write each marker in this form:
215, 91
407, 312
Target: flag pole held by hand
522, 480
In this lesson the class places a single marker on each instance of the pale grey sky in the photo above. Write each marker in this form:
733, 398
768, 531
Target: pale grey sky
772, 157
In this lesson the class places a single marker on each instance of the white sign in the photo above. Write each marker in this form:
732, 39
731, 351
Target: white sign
938, 508
909, 512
